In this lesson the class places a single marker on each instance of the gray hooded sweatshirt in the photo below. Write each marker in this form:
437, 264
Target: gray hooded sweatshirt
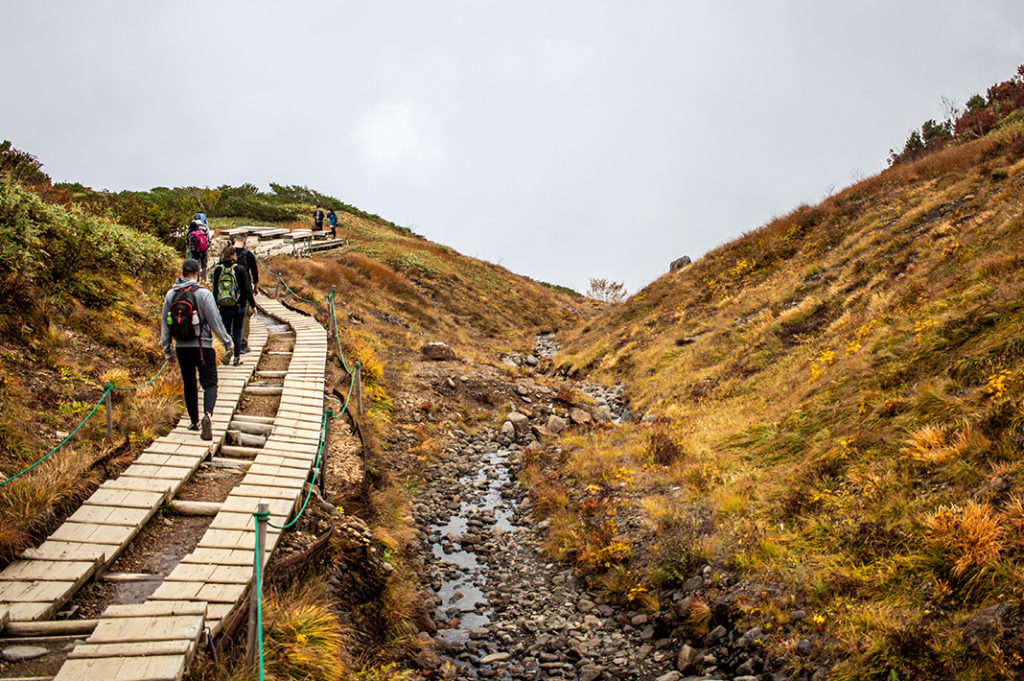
209, 318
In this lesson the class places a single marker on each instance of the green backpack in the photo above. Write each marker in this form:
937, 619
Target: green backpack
227, 287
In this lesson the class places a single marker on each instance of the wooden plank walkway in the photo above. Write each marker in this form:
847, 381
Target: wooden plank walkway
155, 640
43, 579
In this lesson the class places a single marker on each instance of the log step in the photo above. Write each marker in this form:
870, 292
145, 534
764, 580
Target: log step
242, 439
197, 508
250, 427
248, 418
264, 389
239, 452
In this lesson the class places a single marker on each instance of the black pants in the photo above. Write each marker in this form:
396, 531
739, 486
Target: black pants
202, 257
233, 317
188, 361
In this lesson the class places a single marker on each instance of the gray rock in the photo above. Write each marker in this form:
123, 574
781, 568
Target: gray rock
508, 429
797, 615
530, 360
692, 584
437, 352
804, 647
591, 672
669, 676
490, 659
717, 634
679, 263
556, 424
745, 677
23, 653
580, 416
685, 658
518, 421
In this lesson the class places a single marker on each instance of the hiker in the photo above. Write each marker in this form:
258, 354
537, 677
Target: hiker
318, 218
245, 258
197, 243
232, 291
332, 220
189, 315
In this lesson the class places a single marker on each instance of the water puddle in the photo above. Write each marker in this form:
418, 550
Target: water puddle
484, 512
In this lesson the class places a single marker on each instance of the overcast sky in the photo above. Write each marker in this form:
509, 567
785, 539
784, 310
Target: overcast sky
564, 140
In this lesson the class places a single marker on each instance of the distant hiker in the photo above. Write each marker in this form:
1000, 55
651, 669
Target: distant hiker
189, 314
245, 258
232, 291
332, 220
318, 219
197, 243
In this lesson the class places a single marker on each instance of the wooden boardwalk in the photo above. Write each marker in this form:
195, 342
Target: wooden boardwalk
43, 579
155, 640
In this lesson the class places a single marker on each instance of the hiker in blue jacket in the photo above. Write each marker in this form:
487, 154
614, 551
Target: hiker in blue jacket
332, 221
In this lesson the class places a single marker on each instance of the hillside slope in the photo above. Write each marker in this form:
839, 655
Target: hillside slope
832, 410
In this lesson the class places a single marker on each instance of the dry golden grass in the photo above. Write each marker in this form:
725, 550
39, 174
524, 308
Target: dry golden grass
846, 385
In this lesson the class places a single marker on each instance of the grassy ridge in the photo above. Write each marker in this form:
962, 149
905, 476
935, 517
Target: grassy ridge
834, 404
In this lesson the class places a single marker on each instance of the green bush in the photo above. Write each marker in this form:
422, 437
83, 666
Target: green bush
61, 250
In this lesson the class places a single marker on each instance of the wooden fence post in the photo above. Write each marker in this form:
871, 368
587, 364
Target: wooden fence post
110, 414
357, 376
323, 452
252, 644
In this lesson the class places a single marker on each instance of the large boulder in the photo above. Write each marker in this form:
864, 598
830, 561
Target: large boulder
519, 421
438, 352
556, 424
679, 263
580, 417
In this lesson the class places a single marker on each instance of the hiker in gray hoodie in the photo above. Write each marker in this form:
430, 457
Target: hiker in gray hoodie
189, 315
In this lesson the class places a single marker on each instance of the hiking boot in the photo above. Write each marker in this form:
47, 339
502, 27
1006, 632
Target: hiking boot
245, 349
193, 426
238, 360
226, 359
207, 429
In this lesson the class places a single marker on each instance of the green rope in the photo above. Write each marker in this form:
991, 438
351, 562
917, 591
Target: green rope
316, 473
337, 337
106, 391
286, 286
143, 385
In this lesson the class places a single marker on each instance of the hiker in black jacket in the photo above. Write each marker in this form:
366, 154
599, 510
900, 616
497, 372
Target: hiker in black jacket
245, 257
232, 291
318, 219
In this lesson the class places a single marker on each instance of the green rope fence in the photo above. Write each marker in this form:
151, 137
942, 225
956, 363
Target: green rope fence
106, 391
321, 445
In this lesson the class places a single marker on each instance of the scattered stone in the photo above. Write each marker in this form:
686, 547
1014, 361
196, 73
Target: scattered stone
679, 263
685, 658
717, 634
438, 352
531, 360
804, 647
23, 653
490, 659
556, 424
797, 615
669, 676
580, 417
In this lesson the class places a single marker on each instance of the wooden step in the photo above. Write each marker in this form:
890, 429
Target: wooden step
195, 508
239, 452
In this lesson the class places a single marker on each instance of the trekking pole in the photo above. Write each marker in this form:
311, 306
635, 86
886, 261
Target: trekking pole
252, 644
110, 416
